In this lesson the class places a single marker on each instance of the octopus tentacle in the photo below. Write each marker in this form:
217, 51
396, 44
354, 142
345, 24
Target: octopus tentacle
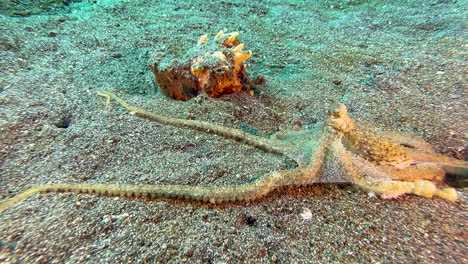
264, 144
212, 194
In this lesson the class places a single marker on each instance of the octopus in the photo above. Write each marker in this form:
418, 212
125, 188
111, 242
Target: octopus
340, 151
390, 164
214, 67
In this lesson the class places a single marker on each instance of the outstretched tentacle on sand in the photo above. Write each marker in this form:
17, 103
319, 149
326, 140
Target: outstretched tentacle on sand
264, 144
212, 194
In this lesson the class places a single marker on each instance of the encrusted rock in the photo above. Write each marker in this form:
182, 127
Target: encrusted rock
215, 67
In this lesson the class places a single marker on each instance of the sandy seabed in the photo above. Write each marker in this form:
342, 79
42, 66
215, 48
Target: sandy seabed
398, 65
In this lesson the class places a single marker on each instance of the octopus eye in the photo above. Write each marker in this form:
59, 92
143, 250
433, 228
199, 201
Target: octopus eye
333, 114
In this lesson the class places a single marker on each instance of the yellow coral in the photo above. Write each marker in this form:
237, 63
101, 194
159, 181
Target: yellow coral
214, 66
220, 69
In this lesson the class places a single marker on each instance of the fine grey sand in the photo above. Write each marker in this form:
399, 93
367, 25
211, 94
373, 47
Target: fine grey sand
397, 65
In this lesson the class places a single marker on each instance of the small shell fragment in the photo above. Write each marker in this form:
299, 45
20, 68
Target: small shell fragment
238, 48
203, 39
231, 39
219, 35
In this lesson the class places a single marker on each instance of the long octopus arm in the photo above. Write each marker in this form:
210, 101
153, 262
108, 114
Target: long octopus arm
365, 176
419, 151
264, 144
212, 194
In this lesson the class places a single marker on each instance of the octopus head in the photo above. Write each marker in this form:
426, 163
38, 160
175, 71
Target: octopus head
340, 120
